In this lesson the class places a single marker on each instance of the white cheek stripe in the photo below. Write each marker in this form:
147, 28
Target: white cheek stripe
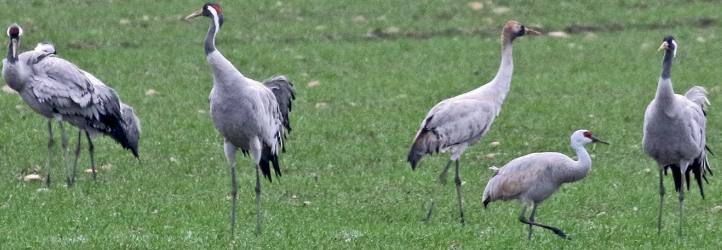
215, 16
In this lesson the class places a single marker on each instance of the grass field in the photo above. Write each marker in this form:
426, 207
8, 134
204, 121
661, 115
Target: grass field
381, 66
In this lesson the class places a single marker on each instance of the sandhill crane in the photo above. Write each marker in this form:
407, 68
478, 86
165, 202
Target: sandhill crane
57, 89
250, 115
533, 178
674, 131
456, 123
131, 122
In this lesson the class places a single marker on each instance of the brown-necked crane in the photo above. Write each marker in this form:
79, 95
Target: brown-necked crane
459, 122
533, 178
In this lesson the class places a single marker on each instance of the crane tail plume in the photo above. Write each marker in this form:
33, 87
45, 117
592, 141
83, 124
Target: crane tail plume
283, 91
698, 95
268, 159
427, 142
699, 168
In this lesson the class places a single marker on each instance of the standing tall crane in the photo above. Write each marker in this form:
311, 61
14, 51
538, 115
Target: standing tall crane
533, 178
57, 89
131, 122
674, 131
251, 116
456, 123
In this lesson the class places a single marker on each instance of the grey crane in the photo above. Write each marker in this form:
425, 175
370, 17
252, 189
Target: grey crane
533, 178
57, 89
251, 116
456, 123
674, 131
131, 122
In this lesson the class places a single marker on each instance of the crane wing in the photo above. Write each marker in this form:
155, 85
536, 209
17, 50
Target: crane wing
457, 121
520, 175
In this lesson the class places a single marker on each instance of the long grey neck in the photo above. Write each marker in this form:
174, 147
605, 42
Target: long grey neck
580, 168
665, 92
211, 36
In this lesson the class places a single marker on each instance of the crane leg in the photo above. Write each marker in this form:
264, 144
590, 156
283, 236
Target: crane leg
234, 192
457, 180
681, 198
258, 200
91, 150
661, 199
557, 231
51, 142
64, 145
442, 181
531, 218
71, 179
230, 151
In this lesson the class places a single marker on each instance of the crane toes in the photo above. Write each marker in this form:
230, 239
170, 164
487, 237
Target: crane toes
561, 234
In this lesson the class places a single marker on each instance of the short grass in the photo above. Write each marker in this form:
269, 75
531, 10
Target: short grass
376, 91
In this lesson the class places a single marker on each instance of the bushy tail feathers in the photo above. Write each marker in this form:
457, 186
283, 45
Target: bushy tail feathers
283, 90
268, 158
427, 142
131, 127
698, 95
699, 168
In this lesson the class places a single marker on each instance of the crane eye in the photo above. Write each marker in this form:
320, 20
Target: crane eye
587, 134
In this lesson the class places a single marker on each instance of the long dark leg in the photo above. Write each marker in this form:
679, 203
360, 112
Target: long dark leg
71, 179
258, 200
234, 192
51, 142
458, 193
442, 181
681, 200
531, 218
554, 229
661, 199
65, 148
91, 149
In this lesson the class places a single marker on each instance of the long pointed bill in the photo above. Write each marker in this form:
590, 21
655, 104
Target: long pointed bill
664, 45
195, 14
595, 140
531, 32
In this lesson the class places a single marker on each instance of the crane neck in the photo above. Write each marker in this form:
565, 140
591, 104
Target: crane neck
581, 167
667, 64
210, 45
13, 47
506, 68
665, 92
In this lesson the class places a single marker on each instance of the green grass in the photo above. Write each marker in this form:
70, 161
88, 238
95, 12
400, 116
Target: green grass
377, 92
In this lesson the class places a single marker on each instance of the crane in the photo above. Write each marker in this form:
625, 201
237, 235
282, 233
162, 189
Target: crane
459, 122
674, 131
251, 116
131, 122
533, 178
57, 89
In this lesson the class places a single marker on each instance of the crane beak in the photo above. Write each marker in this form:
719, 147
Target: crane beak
595, 140
195, 14
531, 32
664, 45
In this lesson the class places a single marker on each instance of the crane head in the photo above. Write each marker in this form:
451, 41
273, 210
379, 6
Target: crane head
14, 31
669, 44
584, 136
514, 29
212, 10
